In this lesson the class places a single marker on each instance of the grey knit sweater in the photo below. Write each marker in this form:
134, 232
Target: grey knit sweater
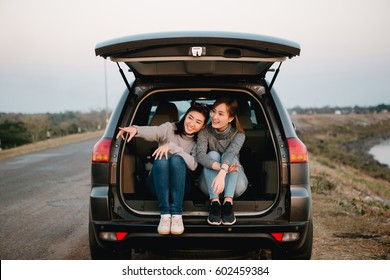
227, 142
182, 145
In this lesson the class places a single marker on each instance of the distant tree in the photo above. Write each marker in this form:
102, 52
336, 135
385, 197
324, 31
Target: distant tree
344, 110
19, 129
37, 125
382, 108
13, 134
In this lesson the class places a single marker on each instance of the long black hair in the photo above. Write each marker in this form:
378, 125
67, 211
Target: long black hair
195, 106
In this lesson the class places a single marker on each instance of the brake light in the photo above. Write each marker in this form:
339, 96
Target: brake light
297, 150
286, 236
278, 236
112, 236
101, 150
120, 235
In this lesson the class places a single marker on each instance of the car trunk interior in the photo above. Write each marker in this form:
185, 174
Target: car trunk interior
257, 156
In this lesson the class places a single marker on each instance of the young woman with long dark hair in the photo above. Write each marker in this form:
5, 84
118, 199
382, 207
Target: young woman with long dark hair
218, 147
172, 161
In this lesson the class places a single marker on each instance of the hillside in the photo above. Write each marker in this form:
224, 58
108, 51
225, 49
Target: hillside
351, 191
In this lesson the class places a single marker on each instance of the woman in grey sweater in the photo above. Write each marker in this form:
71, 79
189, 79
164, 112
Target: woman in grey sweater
172, 161
218, 148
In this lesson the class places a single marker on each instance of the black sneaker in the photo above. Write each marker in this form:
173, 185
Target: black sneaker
215, 214
228, 217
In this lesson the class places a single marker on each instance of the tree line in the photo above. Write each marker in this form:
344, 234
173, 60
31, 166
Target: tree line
341, 110
19, 129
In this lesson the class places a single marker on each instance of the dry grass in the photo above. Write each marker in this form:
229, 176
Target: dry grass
351, 191
352, 217
42, 145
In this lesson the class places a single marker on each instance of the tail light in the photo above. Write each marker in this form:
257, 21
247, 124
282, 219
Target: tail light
101, 150
285, 236
112, 236
297, 150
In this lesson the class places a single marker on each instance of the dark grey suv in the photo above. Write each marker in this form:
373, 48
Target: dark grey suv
169, 72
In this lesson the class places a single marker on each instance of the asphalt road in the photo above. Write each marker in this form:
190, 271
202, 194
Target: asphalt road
44, 204
44, 199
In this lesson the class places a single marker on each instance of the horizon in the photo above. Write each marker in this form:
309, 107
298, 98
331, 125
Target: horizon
48, 63
288, 109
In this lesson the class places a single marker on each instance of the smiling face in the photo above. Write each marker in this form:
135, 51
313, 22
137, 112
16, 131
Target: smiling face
220, 117
194, 122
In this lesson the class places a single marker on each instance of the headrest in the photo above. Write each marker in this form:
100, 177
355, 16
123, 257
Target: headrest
165, 112
245, 115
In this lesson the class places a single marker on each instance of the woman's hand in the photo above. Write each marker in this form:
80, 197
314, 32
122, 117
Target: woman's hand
218, 183
131, 130
161, 151
234, 167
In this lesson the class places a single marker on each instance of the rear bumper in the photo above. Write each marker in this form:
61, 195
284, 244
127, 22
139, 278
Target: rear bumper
202, 235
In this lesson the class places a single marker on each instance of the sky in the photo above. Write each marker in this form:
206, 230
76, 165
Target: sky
48, 62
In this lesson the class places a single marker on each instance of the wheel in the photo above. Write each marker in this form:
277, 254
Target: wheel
99, 253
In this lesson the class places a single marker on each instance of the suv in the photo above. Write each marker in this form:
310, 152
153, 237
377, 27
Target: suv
169, 72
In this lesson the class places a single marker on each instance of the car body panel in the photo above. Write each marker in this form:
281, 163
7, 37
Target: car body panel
99, 203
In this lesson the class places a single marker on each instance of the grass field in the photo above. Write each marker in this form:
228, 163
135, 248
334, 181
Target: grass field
346, 139
351, 190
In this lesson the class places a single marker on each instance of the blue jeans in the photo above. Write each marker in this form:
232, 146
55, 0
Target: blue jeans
235, 182
169, 178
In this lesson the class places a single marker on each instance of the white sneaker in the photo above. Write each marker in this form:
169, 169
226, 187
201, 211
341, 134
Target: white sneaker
177, 226
164, 227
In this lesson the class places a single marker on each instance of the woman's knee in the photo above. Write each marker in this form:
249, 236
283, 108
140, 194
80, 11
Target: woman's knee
214, 155
160, 164
176, 160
